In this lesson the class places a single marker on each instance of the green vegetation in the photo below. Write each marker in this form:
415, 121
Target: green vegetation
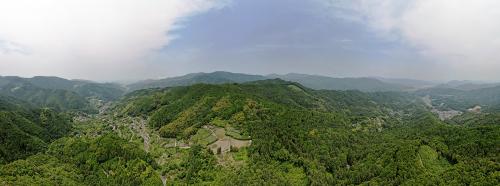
106, 160
330, 83
335, 137
431, 161
104, 91
194, 135
219, 77
54, 98
59, 94
311, 81
236, 134
26, 132
203, 137
449, 98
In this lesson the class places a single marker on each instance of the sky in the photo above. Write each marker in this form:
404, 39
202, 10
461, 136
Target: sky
111, 40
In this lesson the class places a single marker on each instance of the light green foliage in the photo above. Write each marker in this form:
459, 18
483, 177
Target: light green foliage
203, 137
106, 160
40, 170
217, 121
431, 161
236, 134
241, 155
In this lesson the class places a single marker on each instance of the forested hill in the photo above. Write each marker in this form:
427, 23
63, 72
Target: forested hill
303, 136
26, 130
450, 98
218, 77
284, 93
311, 81
330, 83
267, 132
103, 91
60, 94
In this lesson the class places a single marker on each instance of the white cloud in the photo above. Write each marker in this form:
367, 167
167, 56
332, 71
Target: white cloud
462, 34
95, 39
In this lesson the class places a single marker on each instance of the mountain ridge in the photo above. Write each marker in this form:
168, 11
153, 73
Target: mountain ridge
312, 81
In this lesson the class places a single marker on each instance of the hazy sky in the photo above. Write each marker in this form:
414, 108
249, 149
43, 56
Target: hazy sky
136, 39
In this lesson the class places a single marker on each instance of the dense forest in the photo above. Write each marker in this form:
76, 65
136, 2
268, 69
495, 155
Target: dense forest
26, 131
267, 132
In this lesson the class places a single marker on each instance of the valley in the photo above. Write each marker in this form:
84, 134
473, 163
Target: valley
255, 133
249, 93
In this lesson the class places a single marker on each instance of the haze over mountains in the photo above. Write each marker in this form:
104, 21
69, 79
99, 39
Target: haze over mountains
366, 84
58, 92
63, 94
311, 81
110, 91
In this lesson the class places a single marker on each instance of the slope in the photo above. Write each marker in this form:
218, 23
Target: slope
218, 77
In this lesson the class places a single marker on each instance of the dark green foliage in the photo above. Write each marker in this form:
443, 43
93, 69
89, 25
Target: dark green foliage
199, 165
23, 133
17, 139
274, 173
476, 119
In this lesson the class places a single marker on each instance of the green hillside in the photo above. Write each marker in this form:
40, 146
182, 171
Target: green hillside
326, 137
456, 99
268, 132
218, 77
53, 98
60, 94
26, 131
330, 83
311, 81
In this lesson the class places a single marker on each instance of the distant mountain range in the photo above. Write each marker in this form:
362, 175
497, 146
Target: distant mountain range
311, 81
329, 83
467, 85
456, 99
112, 91
416, 84
218, 77
365, 84
64, 94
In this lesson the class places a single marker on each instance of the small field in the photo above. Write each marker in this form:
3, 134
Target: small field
236, 134
431, 160
204, 137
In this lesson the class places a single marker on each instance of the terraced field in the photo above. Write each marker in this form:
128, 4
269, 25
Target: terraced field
224, 138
